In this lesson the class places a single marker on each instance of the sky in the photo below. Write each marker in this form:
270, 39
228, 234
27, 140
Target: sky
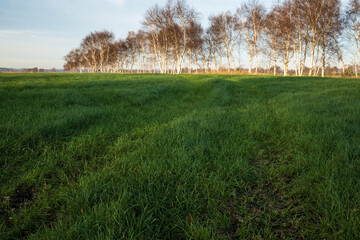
39, 33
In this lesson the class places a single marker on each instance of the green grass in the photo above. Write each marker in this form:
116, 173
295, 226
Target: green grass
106, 156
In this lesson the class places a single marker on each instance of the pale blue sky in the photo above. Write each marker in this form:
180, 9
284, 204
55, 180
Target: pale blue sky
38, 33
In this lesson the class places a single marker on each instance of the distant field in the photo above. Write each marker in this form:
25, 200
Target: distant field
106, 156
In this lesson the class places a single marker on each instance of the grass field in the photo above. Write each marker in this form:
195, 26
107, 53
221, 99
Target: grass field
106, 156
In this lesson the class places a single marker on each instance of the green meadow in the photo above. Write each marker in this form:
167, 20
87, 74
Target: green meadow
110, 156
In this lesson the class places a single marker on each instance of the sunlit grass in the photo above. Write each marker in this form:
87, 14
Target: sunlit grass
107, 156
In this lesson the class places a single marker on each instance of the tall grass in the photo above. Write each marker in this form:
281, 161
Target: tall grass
106, 156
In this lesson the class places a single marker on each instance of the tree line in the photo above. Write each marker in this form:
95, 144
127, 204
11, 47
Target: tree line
307, 35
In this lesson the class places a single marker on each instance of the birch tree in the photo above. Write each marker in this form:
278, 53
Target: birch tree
271, 39
184, 16
252, 15
301, 40
330, 26
73, 60
216, 44
103, 40
195, 32
121, 55
224, 25
89, 51
312, 11
153, 26
286, 32
353, 25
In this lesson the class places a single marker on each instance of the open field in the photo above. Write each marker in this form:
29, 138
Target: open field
106, 156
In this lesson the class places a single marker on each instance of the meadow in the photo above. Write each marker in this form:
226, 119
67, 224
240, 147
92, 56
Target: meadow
109, 156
